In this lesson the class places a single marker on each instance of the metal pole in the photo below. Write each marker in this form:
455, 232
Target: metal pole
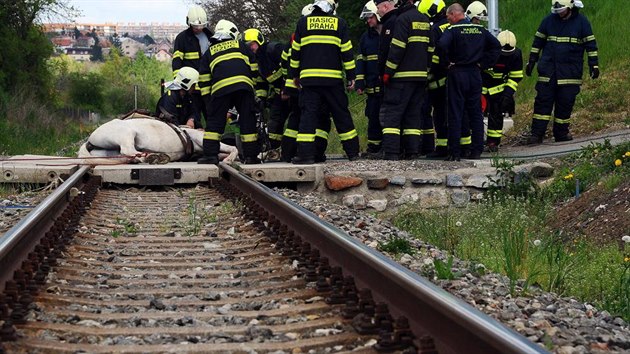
493, 17
135, 96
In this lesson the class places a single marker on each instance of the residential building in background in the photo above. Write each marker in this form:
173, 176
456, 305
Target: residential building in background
157, 30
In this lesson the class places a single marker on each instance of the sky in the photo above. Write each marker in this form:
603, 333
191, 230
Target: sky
101, 11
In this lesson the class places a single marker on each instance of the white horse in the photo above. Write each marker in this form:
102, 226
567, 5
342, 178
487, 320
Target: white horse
144, 140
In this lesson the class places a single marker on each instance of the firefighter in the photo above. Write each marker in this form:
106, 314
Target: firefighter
434, 106
367, 75
229, 66
269, 59
499, 85
477, 12
320, 53
404, 81
386, 9
469, 48
176, 105
188, 48
563, 36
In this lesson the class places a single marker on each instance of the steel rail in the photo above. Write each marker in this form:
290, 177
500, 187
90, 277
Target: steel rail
20, 240
455, 326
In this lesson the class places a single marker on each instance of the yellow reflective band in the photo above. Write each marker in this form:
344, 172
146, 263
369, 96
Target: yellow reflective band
372, 57
495, 133
561, 121
346, 46
399, 43
373, 90
423, 26
333, 74
435, 59
249, 138
348, 135
295, 46
274, 76
441, 142
412, 132
204, 78
391, 65
535, 50
467, 140
285, 55
290, 84
564, 39
191, 55
178, 54
401, 74
222, 46
513, 84
484, 90
295, 63
349, 65
290, 133
542, 116
544, 79
205, 90
588, 38
360, 77
211, 136
422, 39
273, 136
494, 75
254, 66
319, 39
428, 131
305, 138
261, 93
360, 57
178, 105
321, 134
592, 54
395, 131
374, 142
541, 35
517, 74
431, 49
437, 84
231, 81
496, 89
225, 57
570, 82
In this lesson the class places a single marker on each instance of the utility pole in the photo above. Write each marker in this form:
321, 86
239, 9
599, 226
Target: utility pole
135, 97
493, 17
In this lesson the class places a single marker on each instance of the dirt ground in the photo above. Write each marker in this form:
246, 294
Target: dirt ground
597, 214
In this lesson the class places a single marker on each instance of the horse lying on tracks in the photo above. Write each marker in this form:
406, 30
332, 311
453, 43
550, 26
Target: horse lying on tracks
145, 140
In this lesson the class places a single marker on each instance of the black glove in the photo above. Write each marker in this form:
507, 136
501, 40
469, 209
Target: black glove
507, 104
594, 70
529, 68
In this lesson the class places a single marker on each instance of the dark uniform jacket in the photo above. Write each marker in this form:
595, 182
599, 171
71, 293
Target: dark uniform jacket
468, 45
186, 50
439, 64
367, 62
387, 32
563, 43
412, 46
269, 59
175, 108
504, 75
229, 66
322, 50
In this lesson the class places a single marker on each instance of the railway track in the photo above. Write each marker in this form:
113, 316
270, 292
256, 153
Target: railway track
230, 268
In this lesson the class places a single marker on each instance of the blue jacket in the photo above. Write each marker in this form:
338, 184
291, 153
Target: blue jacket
563, 43
367, 62
469, 45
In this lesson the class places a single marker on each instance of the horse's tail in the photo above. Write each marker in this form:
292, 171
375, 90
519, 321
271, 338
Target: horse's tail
86, 158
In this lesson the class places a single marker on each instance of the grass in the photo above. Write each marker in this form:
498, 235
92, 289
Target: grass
508, 234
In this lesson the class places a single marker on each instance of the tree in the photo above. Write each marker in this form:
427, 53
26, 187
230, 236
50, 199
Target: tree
147, 40
97, 50
77, 33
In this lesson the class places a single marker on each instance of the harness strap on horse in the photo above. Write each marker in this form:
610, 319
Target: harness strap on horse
185, 139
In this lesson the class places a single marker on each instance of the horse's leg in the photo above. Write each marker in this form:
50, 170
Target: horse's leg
127, 147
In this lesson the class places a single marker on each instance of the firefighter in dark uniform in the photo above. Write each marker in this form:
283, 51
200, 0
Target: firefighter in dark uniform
404, 83
563, 37
320, 52
229, 65
269, 59
499, 85
188, 48
367, 75
434, 106
469, 48
176, 105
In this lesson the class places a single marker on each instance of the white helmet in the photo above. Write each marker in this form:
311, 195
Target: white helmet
507, 40
307, 9
197, 16
186, 77
477, 10
369, 10
327, 6
226, 30
558, 6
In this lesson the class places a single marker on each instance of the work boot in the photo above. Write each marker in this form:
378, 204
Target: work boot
491, 146
391, 157
208, 160
302, 161
452, 157
567, 137
320, 158
437, 154
412, 156
534, 140
353, 157
474, 156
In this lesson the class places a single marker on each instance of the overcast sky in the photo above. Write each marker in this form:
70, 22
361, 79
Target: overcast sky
100, 11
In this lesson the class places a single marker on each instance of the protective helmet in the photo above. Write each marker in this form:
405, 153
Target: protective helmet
477, 10
327, 6
507, 40
253, 35
186, 77
558, 6
369, 10
431, 7
197, 16
307, 9
226, 30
